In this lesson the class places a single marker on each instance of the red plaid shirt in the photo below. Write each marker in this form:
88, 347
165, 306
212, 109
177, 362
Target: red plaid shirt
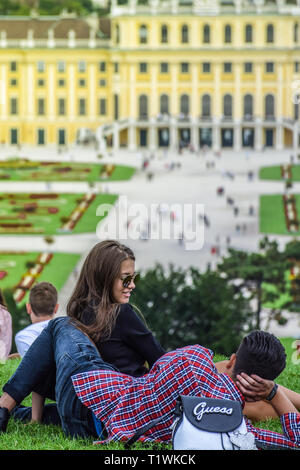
124, 403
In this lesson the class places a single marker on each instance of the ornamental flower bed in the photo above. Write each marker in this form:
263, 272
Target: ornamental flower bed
106, 171
78, 212
286, 171
30, 277
290, 211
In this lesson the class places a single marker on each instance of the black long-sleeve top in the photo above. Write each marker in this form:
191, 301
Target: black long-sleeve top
130, 344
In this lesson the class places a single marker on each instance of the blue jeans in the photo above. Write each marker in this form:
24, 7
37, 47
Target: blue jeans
63, 348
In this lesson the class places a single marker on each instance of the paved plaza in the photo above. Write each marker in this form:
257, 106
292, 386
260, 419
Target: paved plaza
181, 181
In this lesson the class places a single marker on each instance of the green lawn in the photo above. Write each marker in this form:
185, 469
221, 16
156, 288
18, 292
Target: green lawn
56, 271
274, 173
50, 213
26, 170
271, 214
39, 437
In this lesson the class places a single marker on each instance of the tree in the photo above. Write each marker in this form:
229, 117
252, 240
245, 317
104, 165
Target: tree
256, 272
188, 307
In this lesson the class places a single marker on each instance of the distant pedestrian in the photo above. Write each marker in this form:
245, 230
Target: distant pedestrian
251, 210
236, 211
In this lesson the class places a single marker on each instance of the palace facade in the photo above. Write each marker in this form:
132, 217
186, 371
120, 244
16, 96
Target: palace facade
155, 74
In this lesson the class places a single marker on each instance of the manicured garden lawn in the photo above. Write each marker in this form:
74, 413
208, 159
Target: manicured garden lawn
274, 173
271, 214
39, 437
15, 266
50, 213
27, 170
270, 173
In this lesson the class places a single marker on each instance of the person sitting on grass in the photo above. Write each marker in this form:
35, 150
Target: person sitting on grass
86, 386
99, 307
5, 330
41, 308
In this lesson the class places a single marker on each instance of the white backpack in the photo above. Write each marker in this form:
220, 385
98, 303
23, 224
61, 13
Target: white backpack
210, 424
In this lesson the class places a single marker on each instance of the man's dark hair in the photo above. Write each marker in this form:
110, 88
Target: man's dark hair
43, 299
260, 353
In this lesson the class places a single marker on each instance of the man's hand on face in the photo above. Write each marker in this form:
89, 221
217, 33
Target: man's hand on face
253, 387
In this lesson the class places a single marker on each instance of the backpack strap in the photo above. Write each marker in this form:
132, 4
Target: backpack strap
140, 432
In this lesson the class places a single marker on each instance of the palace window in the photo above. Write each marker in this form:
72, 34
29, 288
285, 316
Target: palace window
164, 67
227, 67
82, 66
41, 136
61, 106
41, 106
248, 67
248, 33
164, 104
14, 136
227, 34
206, 67
82, 106
102, 106
13, 106
143, 107
248, 107
13, 66
185, 105
184, 67
270, 33
269, 107
164, 34
269, 67
206, 106
41, 66
61, 66
102, 66
227, 106
117, 33
143, 67
296, 32
206, 34
184, 34
143, 34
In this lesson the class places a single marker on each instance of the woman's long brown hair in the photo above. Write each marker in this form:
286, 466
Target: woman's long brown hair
94, 288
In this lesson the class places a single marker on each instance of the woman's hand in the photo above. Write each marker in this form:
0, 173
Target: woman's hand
253, 387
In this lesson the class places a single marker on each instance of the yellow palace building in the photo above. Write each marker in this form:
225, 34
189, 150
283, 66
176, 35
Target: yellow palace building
155, 74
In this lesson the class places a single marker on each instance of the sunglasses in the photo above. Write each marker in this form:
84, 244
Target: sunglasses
128, 279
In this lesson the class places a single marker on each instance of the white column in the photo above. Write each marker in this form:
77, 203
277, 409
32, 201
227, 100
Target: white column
237, 137
30, 92
216, 138
4, 94
295, 137
258, 136
279, 136
152, 135
173, 135
51, 94
92, 87
132, 135
116, 136
72, 94
194, 134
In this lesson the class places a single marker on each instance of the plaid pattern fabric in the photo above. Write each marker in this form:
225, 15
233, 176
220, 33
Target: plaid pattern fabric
124, 403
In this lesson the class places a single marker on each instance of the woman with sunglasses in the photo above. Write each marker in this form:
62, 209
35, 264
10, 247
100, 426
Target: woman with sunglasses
99, 307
